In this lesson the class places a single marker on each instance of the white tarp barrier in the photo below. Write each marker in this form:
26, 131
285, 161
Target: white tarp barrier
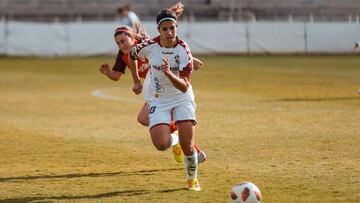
2, 37
150, 28
332, 37
276, 37
91, 38
210, 38
94, 38
38, 39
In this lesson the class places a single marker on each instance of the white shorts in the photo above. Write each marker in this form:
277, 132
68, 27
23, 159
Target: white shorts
160, 111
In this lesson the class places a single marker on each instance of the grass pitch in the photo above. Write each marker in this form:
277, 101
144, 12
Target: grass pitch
289, 124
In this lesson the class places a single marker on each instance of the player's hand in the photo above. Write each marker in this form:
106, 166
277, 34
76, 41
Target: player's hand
137, 87
197, 64
165, 67
105, 69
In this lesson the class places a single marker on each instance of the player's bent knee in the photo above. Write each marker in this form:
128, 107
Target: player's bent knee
161, 146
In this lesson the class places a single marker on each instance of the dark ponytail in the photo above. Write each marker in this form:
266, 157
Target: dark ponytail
173, 13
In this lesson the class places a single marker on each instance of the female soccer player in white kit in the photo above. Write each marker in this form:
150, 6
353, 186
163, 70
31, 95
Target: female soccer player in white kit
167, 88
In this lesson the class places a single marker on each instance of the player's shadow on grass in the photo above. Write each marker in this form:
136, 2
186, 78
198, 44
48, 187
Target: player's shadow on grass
96, 196
74, 175
318, 99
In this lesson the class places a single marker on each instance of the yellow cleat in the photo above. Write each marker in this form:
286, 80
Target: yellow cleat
193, 185
178, 153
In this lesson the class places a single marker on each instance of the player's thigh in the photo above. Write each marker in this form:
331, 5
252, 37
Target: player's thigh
143, 116
160, 136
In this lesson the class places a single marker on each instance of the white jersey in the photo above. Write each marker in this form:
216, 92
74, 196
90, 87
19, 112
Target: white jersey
157, 86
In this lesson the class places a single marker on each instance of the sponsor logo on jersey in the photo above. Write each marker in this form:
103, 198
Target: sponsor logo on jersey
174, 68
177, 60
167, 52
157, 67
157, 85
171, 68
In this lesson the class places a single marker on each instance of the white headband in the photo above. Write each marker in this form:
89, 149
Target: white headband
168, 18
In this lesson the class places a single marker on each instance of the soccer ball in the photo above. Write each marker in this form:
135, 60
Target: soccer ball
245, 192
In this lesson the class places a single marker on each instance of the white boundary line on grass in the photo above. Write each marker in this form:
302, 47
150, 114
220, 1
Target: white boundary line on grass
102, 94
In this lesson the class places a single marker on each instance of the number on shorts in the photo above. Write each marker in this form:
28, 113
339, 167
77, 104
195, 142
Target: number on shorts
152, 109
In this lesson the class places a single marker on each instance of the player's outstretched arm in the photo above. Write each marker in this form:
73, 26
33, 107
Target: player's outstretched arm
111, 74
137, 87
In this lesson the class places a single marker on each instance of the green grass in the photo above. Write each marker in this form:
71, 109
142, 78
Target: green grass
289, 124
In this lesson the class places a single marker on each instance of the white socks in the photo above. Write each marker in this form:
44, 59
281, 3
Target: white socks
191, 164
174, 139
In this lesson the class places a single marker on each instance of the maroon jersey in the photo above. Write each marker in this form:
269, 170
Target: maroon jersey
122, 61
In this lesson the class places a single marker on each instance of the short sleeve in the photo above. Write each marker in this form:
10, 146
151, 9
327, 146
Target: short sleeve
119, 65
186, 62
139, 51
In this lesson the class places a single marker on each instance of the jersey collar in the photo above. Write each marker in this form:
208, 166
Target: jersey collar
158, 41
